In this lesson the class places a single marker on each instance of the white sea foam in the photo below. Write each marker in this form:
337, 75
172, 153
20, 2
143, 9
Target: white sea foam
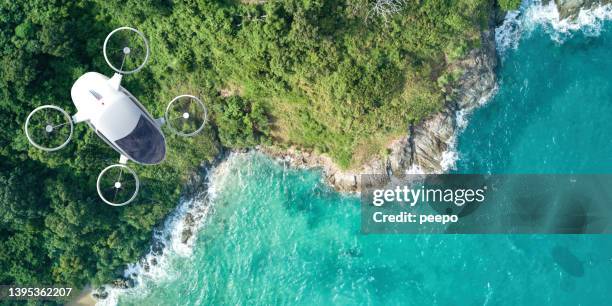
588, 21
461, 118
533, 14
508, 34
449, 159
451, 155
190, 215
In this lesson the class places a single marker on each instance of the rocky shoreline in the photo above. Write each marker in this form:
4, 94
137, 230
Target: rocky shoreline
569, 9
427, 145
187, 218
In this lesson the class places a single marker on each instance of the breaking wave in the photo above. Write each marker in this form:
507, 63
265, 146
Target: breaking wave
534, 14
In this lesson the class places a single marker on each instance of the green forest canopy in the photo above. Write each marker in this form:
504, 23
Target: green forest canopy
326, 75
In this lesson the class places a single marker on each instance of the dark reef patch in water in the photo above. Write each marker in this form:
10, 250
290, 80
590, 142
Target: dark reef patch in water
567, 261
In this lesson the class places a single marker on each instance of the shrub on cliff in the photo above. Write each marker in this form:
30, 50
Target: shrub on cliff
241, 123
509, 5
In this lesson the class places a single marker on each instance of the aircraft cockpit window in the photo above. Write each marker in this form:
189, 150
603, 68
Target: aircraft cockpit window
145, 144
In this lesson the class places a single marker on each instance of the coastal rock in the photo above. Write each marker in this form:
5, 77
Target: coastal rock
100, 295
185, 235
157, 247
123, 283
570, 8
189, 219
429, 141
349, 180
401, 156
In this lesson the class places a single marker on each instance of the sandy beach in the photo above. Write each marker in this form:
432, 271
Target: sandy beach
83, 299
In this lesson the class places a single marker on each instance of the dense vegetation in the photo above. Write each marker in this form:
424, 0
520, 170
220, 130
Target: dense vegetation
327, 75
242, 124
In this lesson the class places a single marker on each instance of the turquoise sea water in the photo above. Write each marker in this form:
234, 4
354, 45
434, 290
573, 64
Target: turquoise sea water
280, 236
553, 111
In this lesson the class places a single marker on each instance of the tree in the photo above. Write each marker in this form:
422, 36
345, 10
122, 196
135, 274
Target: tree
241, 123
509, 5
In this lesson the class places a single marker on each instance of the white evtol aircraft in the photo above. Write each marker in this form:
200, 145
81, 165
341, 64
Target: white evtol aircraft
117, 117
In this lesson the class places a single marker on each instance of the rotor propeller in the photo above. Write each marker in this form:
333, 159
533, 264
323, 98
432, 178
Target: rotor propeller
186, 115
126, 50
49, 128
117, 185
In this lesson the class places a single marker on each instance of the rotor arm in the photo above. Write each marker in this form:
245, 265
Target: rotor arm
79, 117
123, 159
115, 81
